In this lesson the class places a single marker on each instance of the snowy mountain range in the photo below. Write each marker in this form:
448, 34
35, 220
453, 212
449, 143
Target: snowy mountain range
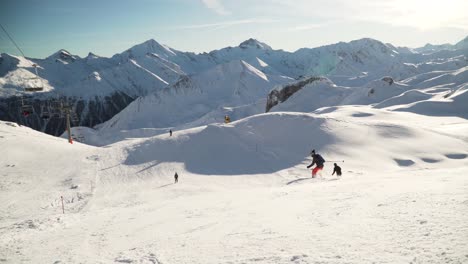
97, 88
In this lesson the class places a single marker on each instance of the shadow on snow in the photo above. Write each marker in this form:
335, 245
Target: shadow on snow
258, 145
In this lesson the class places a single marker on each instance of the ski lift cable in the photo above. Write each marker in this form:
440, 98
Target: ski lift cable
26, 109
22, 53
12, 40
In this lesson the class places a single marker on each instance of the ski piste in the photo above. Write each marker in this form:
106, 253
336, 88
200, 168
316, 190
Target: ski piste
312, 180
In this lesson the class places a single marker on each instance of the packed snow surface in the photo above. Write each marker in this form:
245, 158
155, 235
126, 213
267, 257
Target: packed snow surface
244, 193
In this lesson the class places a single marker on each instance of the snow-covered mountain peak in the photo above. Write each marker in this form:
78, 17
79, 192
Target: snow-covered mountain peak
92, 56
63, 56
462, 44
371, 43
148, 47
253, 43
430, 48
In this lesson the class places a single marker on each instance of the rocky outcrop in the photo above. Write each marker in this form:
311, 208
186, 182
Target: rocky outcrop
388, 79
278, 96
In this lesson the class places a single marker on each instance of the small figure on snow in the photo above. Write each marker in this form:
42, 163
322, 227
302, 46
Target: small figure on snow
170, 132
337, 169
176, 177
318, 161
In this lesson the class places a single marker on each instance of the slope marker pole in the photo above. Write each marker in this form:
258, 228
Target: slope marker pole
63, 207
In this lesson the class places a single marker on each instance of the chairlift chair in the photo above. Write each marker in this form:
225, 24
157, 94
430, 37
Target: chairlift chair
45, 112
56, 113
56, 104
27, 110
33, 89
45, 115
36, 80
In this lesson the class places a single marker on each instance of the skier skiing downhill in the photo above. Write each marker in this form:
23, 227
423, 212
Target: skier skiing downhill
318, 161
337, 169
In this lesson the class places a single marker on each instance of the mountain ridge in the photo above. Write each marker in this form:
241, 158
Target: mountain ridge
150, 66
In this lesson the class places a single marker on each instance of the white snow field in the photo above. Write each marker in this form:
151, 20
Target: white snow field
244, 193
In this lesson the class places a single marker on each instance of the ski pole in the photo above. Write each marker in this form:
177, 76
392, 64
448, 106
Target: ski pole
334, 161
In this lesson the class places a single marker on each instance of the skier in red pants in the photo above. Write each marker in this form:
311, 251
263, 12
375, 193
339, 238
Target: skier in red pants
318, 161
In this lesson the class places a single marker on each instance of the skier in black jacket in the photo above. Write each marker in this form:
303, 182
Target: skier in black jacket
337, 169
318, 161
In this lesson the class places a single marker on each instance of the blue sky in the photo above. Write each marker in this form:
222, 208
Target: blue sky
42, 27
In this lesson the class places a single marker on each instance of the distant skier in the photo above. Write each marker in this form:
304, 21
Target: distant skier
318, 161
170, 132
337, 169
176, 177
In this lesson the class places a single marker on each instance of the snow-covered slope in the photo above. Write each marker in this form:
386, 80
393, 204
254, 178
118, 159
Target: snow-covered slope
454, 103
375, 92
437, 100
306, 95
38, 169
313, 93
449, 79
193, 97
410, 96
244, 193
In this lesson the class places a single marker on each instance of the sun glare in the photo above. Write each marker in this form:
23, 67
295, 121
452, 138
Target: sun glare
426, 14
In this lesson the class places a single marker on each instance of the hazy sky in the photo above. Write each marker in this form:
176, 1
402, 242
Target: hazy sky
106, 27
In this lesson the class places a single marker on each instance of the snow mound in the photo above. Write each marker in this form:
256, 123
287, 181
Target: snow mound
252, 143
